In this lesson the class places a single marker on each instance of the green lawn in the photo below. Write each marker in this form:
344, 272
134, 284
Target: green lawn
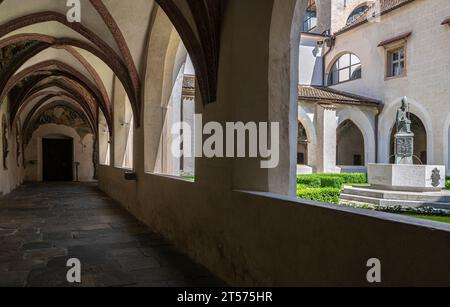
442, 219
327, 188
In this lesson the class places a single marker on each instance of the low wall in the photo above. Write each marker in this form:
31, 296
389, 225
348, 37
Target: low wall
258, 239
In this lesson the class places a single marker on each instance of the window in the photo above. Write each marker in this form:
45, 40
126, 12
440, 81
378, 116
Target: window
358, 12
396, 62
310, 21
346, 68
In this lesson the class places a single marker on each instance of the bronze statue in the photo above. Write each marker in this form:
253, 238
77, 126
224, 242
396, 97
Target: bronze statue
403, 118
404, 138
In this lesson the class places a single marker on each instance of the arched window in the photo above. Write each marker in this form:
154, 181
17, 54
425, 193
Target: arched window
346, 68
310, 21
358, 12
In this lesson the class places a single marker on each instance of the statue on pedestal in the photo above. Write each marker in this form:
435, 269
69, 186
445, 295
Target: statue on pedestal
404, 138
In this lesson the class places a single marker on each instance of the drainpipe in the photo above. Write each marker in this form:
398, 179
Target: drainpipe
377, 120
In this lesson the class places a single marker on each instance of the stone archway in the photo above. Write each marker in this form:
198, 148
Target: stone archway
387, 122
350, 149
366, 126
302, 145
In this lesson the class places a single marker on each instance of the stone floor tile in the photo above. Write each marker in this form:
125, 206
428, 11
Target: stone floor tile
42, 226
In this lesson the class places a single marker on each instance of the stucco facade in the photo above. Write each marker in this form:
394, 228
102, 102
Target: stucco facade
425, 83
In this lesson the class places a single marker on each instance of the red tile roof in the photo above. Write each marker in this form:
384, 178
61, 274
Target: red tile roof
329, 95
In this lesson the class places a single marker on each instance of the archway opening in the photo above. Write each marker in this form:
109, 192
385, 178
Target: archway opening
420, 141
170, 103
350, 145
302, 145
104, 140
123, 127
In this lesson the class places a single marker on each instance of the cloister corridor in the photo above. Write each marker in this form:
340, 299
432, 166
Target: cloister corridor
44, 225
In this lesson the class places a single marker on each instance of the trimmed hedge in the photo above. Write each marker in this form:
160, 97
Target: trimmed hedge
331, 180
310, 181
354, 178
326, 195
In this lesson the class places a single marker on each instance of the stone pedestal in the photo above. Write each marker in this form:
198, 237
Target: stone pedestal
414, 178
404, 148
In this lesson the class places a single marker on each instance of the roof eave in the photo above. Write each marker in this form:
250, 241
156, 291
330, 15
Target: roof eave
344, 30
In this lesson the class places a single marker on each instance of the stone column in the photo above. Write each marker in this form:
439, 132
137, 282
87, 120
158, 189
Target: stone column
326, 134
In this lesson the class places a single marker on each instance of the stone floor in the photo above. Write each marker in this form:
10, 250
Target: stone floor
44, 225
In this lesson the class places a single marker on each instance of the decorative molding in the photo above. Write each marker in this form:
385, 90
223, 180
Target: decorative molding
390, 41
108, 19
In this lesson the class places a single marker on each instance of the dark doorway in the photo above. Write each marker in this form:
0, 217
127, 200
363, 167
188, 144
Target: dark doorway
57, 159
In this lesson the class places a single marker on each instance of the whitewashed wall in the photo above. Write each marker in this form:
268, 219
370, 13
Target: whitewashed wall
13, 176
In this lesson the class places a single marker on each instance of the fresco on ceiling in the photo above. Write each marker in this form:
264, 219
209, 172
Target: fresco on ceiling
61, 115
8, 53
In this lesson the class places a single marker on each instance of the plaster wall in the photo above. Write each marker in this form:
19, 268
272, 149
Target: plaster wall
83, 152
323, 16
265, 239
311, 62
12, 177
341, 10
122, 124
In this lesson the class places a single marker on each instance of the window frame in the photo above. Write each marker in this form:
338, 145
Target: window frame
335, 69
353, 15
307, 25
389, 53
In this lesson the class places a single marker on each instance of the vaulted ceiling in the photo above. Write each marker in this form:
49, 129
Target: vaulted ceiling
45, 58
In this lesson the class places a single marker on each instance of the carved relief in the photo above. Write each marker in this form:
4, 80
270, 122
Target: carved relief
436, 178
404, 147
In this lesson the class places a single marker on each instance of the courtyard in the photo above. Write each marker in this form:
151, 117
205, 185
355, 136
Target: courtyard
329, 188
